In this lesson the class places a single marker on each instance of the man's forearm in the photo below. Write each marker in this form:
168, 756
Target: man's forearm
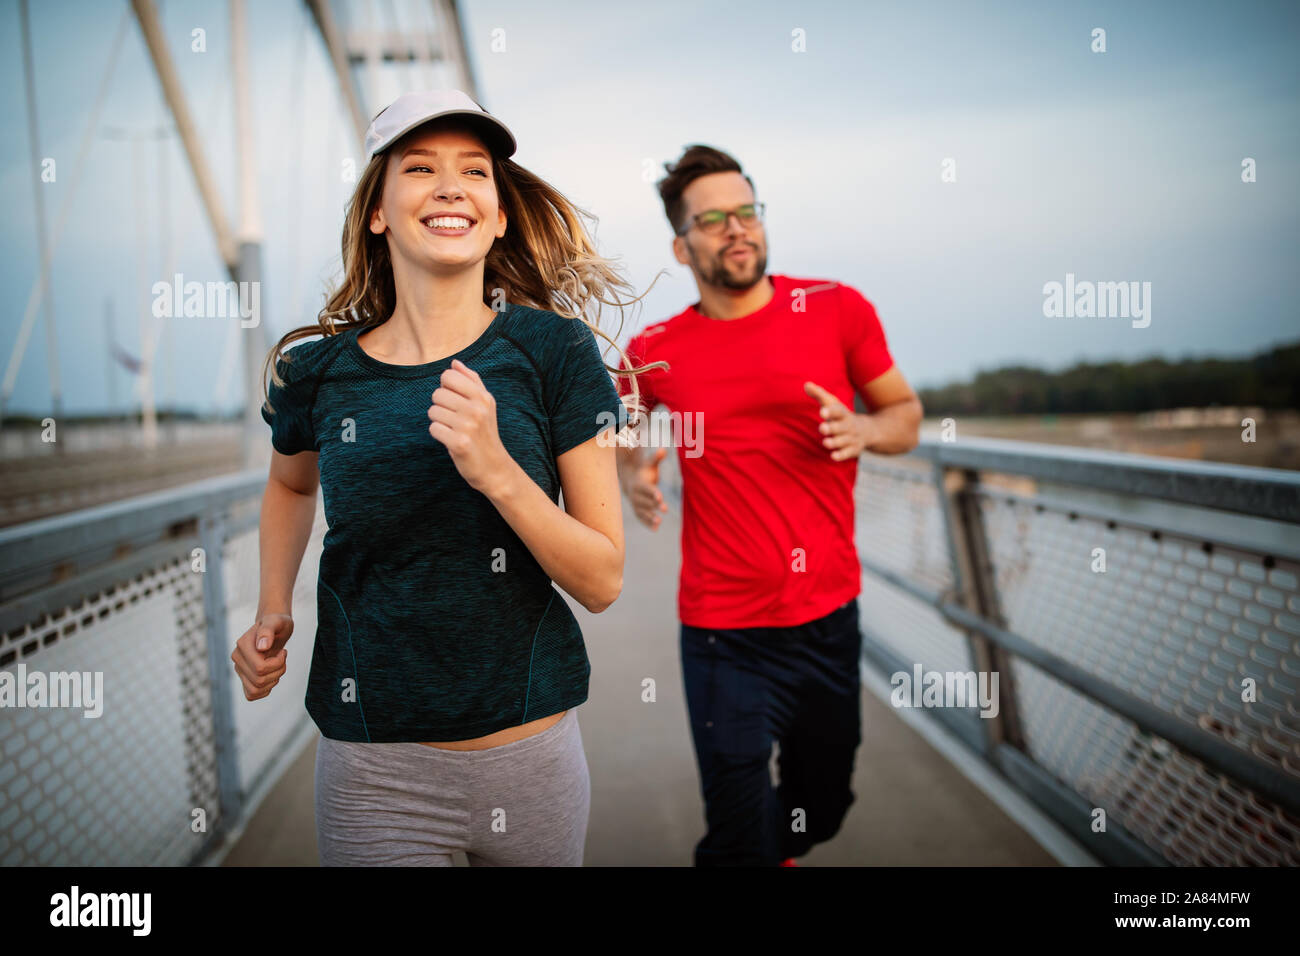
894, 429
629, 458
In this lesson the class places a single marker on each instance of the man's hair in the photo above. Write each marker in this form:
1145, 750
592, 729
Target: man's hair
697, 161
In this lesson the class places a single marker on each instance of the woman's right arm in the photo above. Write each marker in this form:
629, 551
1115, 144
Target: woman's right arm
288, 513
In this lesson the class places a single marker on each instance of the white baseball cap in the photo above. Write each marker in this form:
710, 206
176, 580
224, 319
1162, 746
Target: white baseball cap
411, 109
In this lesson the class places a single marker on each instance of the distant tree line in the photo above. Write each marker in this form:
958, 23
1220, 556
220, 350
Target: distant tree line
1269, 380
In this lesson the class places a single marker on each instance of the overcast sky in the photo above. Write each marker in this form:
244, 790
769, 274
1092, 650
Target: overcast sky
1117, 166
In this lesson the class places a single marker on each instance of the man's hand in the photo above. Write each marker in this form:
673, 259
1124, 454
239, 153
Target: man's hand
845, 433
641, 485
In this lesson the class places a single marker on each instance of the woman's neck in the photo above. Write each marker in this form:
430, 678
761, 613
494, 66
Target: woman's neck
435, 315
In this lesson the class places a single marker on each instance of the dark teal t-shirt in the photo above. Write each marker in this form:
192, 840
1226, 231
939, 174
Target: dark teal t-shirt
434, 621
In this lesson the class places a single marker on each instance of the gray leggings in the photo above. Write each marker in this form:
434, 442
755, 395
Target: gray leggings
520, 804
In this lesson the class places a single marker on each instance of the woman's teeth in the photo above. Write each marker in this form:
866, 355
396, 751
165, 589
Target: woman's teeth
447, 222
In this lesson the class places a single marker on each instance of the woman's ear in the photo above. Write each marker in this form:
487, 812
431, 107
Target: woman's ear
501, 222
377, 224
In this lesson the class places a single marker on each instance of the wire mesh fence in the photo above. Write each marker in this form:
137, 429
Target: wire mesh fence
121, 745
1150, 672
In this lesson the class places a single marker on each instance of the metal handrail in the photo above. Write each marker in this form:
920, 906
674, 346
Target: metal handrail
66, 544
972, 604
1242, 489
55, 572
44, 565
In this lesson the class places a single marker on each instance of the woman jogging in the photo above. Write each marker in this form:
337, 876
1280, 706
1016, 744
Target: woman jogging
457, 389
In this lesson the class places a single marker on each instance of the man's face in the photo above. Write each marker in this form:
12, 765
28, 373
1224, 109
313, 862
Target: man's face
735, 258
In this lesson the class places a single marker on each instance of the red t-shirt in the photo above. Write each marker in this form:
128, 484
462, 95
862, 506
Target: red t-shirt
767, 515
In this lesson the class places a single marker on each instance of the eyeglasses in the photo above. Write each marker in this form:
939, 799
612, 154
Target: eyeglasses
712, 222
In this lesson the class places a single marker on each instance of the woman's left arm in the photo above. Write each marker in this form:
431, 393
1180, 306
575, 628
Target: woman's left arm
580, 547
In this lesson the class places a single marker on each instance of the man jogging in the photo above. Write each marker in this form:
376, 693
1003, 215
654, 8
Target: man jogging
765, 367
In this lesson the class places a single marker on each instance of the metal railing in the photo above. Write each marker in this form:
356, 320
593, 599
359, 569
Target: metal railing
1144, 620
1161, 690
151, 594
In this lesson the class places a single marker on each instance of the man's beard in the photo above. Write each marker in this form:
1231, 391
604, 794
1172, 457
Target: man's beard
717, 273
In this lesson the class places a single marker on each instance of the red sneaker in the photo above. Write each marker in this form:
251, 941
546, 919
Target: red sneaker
789, 862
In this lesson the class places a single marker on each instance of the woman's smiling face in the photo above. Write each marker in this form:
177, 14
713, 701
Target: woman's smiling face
439, 204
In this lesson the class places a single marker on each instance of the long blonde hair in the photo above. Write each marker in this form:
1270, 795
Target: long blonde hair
546, 260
